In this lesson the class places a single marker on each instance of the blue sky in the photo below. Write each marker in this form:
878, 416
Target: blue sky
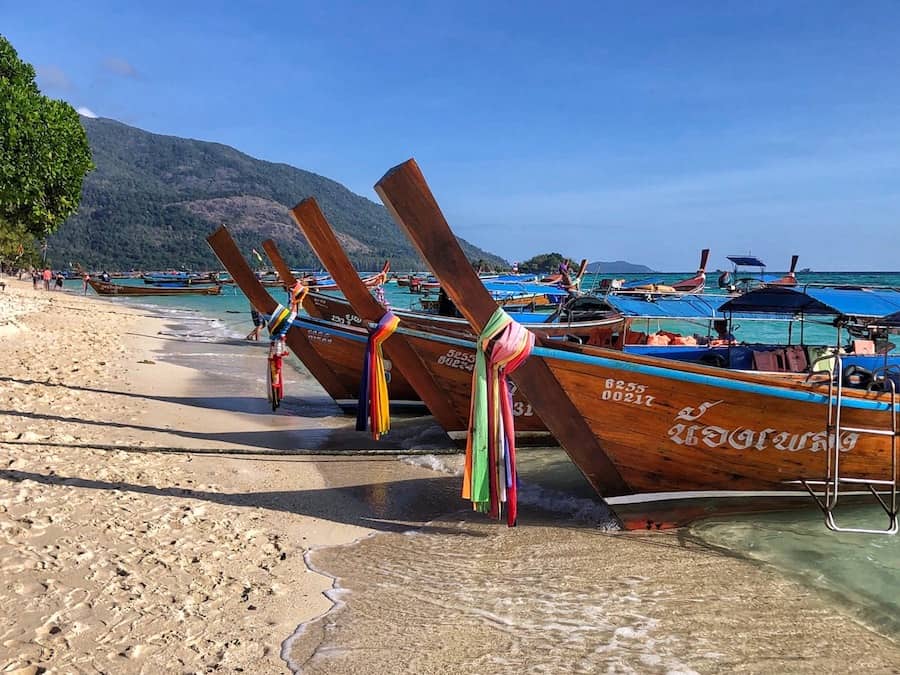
642, 131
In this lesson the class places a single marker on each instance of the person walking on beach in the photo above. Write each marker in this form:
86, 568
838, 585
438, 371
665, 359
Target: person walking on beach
59, 281
85, 278
47, 276
35, 278
257, 324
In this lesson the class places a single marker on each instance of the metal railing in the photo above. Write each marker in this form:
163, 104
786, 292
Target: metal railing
884, 491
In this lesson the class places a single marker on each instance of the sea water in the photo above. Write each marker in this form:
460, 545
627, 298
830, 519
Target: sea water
457, 593
585, 621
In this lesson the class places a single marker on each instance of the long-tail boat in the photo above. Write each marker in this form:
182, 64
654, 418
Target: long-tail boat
109, 288
559, 278
343, 347
341, 382
555, 324
646, 430
329, 284
740, 280
449, 368
789, 279
690, 286
696, 283
183, 278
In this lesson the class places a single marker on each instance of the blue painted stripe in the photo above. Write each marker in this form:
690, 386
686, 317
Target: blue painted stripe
674, 374
446, 339
305, 324
709, 380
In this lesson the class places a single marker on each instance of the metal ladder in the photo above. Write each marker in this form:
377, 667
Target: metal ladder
833, 479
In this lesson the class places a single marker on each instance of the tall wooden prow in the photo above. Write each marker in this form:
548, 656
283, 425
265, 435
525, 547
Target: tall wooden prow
409, 200
325, 244
789, 279
278, 262
227, 251
697, 282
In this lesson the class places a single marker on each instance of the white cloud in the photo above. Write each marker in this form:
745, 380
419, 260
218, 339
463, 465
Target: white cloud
120, 67
52, 77
87, 112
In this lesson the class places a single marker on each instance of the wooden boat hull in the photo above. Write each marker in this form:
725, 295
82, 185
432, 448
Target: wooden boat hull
227, 251
450, 365
156, 280
106, 288
676, 431
343, 349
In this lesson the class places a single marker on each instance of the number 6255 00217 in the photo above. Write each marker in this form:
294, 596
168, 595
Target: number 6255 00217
621, 391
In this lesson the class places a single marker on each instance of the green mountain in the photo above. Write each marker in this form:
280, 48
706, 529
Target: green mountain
153, 199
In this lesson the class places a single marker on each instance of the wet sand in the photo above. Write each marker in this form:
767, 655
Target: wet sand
156, 516
557, 595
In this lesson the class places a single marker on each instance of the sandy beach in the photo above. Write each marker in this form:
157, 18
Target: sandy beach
156, 517
127, 542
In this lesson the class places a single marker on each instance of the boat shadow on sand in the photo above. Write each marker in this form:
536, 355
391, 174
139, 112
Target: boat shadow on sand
313, 406
389, 506
415, 432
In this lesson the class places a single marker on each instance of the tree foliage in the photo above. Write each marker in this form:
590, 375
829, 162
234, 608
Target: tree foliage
44, 154
545, 262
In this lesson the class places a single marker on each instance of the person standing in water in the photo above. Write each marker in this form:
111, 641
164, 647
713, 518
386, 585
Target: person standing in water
257, 324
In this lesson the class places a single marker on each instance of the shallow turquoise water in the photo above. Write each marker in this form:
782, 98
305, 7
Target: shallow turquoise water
232, 309
859, 572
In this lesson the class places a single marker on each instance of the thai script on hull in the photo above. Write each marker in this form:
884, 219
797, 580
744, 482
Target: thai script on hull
743, 438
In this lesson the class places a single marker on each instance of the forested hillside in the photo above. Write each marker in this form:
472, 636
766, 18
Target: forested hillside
153, 199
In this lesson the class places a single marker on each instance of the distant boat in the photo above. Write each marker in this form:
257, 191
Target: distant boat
741, 281
156, 278
654, 287
109, 288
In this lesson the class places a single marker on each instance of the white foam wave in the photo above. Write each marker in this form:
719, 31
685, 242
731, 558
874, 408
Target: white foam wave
578, 508
449, 464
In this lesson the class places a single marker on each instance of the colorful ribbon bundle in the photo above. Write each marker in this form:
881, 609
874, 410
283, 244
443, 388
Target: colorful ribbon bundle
279, 322
374, 406
489, 477
298, 293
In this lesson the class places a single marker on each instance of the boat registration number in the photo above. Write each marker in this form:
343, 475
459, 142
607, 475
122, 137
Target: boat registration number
520, 409
318, 336
457, 359
621, 391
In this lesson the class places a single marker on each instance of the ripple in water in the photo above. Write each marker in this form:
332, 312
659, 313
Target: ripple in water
476, 602
859, 572
559, 594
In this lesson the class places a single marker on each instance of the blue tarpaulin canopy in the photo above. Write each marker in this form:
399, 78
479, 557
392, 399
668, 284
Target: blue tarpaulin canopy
502, 290
747, 260
672, 307
827, 300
